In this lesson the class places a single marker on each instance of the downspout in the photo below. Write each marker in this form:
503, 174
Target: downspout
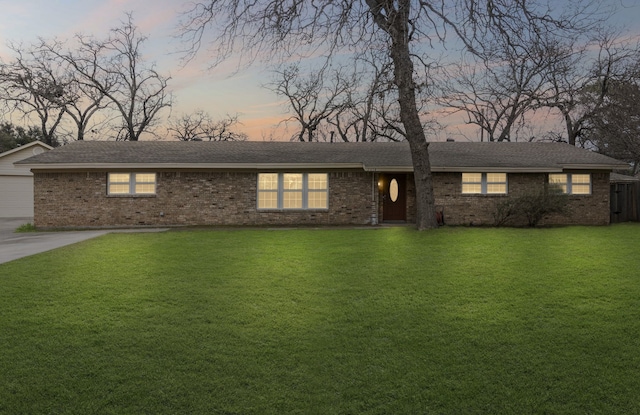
374, 198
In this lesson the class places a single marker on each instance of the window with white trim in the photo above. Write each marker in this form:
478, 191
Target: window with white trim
484, 183
293, 191
131, 184
572, 183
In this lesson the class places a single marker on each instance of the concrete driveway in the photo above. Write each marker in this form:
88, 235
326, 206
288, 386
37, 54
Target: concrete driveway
17, 245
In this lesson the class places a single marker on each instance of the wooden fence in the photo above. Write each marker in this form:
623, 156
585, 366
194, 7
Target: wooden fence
625, 202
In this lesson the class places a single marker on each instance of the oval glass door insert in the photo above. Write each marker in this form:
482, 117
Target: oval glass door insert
393, 190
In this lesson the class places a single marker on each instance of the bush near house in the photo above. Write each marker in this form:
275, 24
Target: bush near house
531, 206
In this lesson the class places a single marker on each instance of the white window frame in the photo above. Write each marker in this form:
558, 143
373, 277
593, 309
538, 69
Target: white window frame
569, 185
133, 182
485, 183
305, 191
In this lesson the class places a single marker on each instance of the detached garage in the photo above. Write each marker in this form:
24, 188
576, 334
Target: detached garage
16, 181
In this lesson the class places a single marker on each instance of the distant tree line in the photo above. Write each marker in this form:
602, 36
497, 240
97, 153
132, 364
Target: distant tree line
12, 136
580, 81
583, 83
98, 88
89, 85
585, 78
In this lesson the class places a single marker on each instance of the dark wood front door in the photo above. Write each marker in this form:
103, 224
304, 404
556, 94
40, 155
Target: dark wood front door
394, 202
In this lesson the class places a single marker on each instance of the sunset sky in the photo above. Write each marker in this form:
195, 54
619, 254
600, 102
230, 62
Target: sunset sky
219, 91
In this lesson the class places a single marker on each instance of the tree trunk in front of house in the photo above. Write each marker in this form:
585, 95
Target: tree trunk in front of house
403, 78
572, 130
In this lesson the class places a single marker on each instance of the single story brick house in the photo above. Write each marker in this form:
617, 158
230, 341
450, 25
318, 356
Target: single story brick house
161, 183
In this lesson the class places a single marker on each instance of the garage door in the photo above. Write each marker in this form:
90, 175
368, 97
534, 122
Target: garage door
16, 197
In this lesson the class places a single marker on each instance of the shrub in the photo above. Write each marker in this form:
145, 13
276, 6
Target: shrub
506, 210
531, 206
27, 227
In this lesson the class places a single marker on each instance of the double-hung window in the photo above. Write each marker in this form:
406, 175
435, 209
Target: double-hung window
131, 184
484, 183
572, 183
292, 191
268, 191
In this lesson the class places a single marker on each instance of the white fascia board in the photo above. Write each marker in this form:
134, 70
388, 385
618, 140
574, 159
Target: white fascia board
31, 144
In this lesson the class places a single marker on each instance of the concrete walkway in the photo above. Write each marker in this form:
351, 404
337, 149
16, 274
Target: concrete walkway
18, 245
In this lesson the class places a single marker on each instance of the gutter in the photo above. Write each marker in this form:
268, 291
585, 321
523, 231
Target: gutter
191, 166
384, 169
622, 165
313, 166
476, 169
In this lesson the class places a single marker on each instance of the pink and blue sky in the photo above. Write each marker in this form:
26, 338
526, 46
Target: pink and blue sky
220, 91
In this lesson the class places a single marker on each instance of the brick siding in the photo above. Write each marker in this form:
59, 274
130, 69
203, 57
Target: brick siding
71, 200
462, 209
79, 199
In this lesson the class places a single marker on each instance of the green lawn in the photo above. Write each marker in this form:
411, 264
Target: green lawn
390, 321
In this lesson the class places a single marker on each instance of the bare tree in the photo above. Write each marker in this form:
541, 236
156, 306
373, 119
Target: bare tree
114, 68
580, 81
82, 102
312, 97
85, 103
357, 104
35, 87
497, 88
615, 127
199, 126
401, 27
224, 129
64, 89
370, 110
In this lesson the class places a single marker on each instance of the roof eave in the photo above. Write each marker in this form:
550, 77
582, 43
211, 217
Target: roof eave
606, 166
398, 169
302, 166
23, 147
192, 166
483, 169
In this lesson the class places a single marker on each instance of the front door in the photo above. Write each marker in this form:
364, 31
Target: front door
394, 199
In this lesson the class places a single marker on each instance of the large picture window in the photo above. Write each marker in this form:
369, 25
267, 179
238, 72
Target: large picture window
292, 191
572, 183
484, 183
131, 184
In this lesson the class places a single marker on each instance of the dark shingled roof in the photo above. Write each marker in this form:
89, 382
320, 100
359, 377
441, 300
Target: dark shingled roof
447, 156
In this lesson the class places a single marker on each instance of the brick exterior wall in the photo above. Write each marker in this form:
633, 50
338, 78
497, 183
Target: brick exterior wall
479, 210
79, 199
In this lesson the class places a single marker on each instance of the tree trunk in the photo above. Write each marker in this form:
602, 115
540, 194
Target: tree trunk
572, 132
403, 78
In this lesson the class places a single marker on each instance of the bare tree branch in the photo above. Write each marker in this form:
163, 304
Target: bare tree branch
199, 126
402, 28
114, 68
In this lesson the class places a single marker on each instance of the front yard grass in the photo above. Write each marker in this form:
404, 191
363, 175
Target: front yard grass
389, 321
